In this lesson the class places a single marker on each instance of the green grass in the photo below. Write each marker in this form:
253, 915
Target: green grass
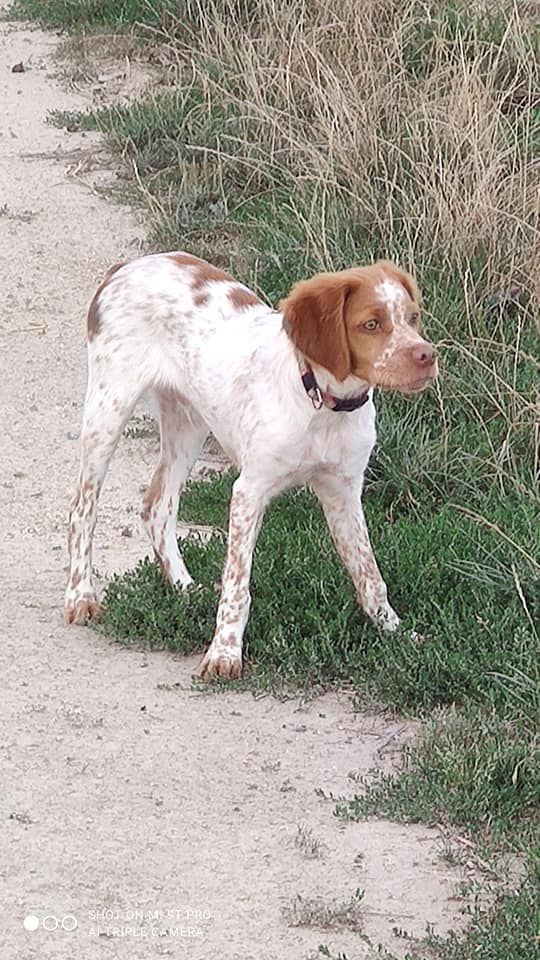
510, 930
412, 137
481, 768
149, 17
455, 581
79, 15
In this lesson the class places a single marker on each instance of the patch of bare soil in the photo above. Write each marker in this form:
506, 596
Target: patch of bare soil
139, 817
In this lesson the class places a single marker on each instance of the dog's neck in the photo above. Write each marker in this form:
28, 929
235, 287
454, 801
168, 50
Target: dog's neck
324, 390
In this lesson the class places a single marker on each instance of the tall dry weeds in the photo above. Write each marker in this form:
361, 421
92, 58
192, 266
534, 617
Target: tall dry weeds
422, 120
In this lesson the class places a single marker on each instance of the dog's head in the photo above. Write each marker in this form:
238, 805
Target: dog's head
362, 322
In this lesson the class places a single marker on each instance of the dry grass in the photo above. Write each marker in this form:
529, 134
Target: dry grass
421, 120
325, 915
308, 844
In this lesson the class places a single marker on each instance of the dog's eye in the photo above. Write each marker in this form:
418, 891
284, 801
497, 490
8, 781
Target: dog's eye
414, 319
371, 325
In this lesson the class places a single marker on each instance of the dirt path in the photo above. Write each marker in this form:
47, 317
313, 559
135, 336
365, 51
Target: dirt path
128, 801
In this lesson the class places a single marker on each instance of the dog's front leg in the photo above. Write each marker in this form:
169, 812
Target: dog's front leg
224, 656
342, 505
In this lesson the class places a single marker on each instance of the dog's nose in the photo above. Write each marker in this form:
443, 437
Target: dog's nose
424, 354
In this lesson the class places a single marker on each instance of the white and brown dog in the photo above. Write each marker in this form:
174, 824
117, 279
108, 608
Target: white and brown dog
288, 395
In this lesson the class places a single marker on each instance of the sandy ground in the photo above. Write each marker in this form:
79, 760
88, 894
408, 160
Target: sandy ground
153, 820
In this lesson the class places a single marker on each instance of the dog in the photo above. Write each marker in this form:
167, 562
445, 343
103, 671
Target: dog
288, 394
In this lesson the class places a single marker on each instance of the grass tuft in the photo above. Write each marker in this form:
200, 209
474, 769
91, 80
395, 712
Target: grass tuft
324, 915
509, 930
80, 15
484, 770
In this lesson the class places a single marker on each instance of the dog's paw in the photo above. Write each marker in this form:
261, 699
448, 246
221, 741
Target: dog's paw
387, 619
81, 609
222, 663
182, 584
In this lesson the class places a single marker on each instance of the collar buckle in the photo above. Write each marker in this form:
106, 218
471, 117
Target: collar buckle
320, 399
316, 397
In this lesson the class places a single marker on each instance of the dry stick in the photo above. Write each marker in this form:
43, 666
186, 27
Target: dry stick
493, 526
521, 596
377, 755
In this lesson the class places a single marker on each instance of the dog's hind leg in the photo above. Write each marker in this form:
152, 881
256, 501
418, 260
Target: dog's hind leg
183, 433
110, 398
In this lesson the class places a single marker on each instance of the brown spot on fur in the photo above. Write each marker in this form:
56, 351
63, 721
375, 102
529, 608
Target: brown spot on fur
154, 492
93, 320
173, 404
203, 272
240, 298
162, 561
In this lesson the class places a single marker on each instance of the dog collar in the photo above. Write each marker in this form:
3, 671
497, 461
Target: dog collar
320, 398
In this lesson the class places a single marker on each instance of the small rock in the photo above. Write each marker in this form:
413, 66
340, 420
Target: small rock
72, 436
20, 817
18, 67
127, 532
287, 787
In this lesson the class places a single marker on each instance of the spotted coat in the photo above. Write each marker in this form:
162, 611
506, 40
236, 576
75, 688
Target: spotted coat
216, 358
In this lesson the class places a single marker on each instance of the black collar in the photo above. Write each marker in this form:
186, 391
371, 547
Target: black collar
322, 399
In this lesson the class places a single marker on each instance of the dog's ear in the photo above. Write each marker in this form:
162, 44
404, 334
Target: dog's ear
314, 318
404, 278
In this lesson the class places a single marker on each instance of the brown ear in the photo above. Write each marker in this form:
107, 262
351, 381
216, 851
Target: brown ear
314, 318
404, 278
